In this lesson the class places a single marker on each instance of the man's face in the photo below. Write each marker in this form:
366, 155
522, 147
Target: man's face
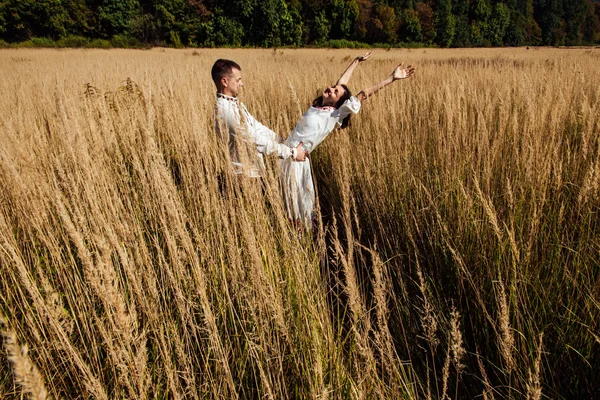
233, 83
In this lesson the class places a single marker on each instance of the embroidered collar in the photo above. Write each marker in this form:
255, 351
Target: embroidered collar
228, 98
326, 108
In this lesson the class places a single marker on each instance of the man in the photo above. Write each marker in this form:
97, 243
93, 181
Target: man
248, 138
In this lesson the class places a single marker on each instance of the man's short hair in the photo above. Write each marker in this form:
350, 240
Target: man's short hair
221, 68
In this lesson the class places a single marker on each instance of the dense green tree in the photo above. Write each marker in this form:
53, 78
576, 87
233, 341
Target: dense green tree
321, 28
79, 18
523, 7
364, 14
410, 27
515, 33
591, 26
498, 24
274, 25
307, 11
344, 16
400, 5
206, 22
226, 31
575, 12
144, 28
219, 30
426, 18
166, 17
533, 32
24, 19
267, 14
115, 16
462, 36
479, 15
444, 23
191, 16
296, 22
520, 12
478, 30
480, 10
2, 18
174, 22
383, 25
548, 14
293, 27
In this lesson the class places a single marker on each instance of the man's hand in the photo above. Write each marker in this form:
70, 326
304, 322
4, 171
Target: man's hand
300, 153
402, 73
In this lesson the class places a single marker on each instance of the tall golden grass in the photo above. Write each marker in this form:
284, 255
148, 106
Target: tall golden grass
457, 253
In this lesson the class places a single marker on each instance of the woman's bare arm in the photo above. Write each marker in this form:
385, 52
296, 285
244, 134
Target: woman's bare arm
348, 72
399, 73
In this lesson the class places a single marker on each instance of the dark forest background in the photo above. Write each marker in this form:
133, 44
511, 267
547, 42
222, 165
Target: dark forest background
269, 23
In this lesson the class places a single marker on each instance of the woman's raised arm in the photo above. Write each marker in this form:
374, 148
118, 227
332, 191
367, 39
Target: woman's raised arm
348, 72
399, 73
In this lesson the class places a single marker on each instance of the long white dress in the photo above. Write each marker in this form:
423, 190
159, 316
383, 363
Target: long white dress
312, 128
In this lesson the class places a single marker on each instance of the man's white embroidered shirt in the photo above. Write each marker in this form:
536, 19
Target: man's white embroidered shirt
248, 139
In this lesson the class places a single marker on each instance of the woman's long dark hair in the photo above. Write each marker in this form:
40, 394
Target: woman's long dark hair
318, 102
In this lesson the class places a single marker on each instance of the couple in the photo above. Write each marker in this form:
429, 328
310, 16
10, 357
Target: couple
249, 140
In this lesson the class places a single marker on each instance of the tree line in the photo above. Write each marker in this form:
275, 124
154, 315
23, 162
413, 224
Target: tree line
269, 23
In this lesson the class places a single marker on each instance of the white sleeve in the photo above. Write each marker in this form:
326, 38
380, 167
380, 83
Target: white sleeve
350, 106
265, 139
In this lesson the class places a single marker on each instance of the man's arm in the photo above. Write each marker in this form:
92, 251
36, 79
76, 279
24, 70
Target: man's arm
265, 139
348, 72
399, 73
266, 142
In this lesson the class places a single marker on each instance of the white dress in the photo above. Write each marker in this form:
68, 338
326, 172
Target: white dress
312, 128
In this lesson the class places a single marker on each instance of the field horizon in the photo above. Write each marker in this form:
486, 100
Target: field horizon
456, 253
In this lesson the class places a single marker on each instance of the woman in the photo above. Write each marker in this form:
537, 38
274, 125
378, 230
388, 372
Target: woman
332, 109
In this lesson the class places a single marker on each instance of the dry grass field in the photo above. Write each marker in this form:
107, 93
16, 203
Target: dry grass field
457, 255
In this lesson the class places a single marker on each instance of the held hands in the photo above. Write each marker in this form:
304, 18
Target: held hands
301, 154
402, 73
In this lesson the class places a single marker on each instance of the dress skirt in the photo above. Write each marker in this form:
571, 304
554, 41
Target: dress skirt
298, 189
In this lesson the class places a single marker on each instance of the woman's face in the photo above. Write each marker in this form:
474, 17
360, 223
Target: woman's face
332, 94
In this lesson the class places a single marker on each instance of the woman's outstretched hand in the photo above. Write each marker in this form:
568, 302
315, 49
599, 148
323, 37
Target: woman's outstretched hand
348, 72
402, 73
399, 73
364, 57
